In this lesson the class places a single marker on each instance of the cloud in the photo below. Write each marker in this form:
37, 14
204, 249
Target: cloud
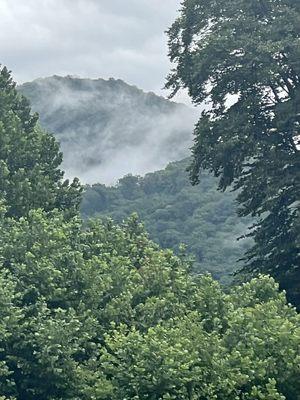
88, 38
108, 129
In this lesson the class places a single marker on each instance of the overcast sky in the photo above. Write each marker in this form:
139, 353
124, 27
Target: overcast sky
88, 38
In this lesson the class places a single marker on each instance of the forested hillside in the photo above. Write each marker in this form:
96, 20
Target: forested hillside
107, 129
93, 309
175, 212
98, 311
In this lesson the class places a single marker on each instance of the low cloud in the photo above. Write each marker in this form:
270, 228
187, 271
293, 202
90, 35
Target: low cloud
108, 129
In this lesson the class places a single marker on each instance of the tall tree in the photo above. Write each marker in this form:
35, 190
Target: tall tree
29, 159
242, 58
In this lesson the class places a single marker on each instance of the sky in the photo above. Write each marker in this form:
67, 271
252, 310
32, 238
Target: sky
88, 38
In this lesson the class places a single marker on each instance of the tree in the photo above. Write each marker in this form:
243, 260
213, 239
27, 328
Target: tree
242, 58
62, 287
129, 186
230, 347
176, 212
29, 159
104, 313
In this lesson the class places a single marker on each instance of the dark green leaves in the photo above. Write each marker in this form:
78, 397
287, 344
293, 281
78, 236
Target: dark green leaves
29, 159
243, 59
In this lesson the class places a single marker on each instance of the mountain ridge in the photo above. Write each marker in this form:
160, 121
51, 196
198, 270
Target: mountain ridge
108, 128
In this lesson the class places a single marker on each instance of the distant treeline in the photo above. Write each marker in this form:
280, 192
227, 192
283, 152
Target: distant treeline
175, 212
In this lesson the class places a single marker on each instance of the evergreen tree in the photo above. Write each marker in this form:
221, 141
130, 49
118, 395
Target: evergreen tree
29, 159
242, 57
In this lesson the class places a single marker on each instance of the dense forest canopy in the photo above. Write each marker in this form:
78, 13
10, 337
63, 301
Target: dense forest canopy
98, 311
243, 58
107, 128
175, 213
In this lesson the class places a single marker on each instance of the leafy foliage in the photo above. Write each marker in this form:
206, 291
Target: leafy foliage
174, 212
29, 159
228, 355
243, 59
99, 311
104, 313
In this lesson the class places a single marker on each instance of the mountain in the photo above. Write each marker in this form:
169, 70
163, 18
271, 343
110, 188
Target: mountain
175, 212
108, 128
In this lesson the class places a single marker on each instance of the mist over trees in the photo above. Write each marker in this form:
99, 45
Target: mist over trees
98, 311
95, 122
107, 129
95, 310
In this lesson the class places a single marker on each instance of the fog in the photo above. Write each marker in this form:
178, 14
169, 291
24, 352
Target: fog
107, 128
